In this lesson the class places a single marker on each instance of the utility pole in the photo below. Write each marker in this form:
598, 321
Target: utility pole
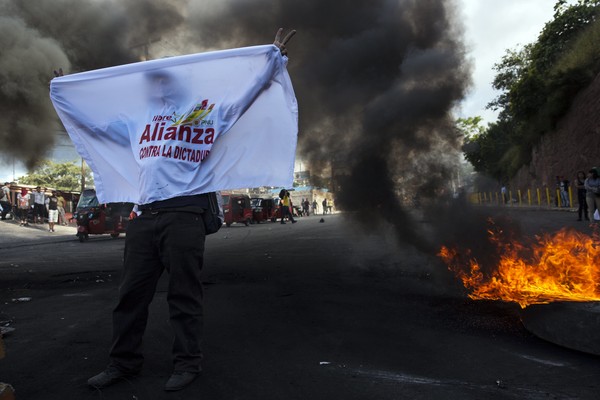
82, 175
146, 46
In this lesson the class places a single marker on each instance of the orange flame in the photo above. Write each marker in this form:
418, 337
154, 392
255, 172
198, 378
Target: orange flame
564, 266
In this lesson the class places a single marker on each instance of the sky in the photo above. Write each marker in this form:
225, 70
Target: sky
491, 27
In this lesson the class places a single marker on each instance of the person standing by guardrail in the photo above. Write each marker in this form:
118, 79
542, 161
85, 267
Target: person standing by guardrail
564, 192
581, 200
592, 196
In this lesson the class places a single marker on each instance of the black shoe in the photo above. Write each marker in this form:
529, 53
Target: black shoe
294, 221
283, 222
179, 380
107, 377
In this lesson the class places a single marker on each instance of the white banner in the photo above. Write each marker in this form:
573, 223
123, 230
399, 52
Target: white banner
183, 125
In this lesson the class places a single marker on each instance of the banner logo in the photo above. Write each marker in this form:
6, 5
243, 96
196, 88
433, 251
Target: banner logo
190, 127
195, 116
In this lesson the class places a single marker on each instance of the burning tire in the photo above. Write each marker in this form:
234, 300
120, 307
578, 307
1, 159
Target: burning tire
569, 324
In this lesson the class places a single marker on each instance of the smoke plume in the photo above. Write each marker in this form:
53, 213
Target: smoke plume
38, 36
24, 89
376, 84
376, 81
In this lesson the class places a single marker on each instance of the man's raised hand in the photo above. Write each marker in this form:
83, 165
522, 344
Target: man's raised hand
281, 43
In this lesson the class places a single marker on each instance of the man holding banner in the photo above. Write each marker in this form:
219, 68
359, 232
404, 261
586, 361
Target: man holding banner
163, 134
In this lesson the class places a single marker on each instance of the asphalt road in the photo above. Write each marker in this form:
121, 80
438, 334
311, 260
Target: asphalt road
307, 311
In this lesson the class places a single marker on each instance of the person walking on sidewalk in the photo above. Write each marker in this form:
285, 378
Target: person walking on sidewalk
592, 195
286, 204
581, 196
52, 204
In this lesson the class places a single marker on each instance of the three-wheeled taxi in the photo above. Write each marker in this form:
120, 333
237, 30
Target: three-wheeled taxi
94, 218
237, 208
264, 209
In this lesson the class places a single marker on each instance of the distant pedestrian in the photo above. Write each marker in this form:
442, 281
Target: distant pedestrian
330, 206
504, 192
5, 200
592, 195
39, 205
61, 209
557, 198
52, 204
324, 204
23, 206
306, 207
286, 204
564, 192
315, 207
581, 201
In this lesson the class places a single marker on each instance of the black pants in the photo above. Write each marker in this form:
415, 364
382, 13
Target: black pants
173, 241
285, 212
39, 210
583, 208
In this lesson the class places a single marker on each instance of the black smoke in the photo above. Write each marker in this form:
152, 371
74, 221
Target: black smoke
24, 75
38, 36
376, 82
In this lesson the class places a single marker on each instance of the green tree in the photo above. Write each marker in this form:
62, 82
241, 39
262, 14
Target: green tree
509, 70
527, 77
470, 127
541, 96
537, 85
62, 176
488, 149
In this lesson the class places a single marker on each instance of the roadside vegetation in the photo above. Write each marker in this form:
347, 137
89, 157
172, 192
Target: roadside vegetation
62, 176
537, 83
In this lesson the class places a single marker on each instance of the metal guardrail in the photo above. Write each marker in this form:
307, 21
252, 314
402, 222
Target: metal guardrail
536, 197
